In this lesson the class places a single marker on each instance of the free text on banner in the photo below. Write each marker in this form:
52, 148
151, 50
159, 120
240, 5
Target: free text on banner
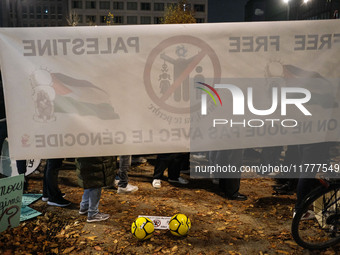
117, 90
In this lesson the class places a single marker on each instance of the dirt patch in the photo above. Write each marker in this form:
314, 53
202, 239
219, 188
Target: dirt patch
260, 225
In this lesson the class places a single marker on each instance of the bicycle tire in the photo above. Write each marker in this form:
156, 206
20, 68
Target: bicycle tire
326, 224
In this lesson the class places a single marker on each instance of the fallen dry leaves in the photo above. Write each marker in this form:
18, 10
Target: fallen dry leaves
257, 226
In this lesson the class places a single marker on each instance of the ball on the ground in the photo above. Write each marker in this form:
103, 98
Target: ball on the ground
142, 228
179, 225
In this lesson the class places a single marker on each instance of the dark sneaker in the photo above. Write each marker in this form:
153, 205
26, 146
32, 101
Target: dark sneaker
45, 198
61, 202
180, 180
83, 211
98, 217
237, 196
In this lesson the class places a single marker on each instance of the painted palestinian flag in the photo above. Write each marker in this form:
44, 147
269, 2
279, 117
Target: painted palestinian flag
81, 97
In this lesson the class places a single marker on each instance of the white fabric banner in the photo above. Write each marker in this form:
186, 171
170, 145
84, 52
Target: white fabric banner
121, 90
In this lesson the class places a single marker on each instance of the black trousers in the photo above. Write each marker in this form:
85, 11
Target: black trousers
230, 182
50, 181
170, 161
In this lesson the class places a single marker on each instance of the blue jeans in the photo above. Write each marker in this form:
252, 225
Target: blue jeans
90, 201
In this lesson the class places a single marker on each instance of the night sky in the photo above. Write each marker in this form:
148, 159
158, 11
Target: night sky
226, 10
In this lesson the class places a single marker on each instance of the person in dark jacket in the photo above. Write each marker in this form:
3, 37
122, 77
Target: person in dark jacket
93, 174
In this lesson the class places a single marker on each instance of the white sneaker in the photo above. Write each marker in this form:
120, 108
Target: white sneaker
116, 183
198, 156
128, 189
156, 183
180, 180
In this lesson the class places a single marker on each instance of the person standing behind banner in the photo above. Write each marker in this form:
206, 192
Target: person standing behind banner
230, 184
21, 164
124, 166
51, 192
172, 162
93, 174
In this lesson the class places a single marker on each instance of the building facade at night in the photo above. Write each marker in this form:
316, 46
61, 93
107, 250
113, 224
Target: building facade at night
33, 13
41, 13
131, 12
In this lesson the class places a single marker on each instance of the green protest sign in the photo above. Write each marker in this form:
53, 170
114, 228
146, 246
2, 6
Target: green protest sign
11, 190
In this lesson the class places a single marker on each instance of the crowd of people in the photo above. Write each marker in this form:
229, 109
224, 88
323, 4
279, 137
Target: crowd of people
96, 173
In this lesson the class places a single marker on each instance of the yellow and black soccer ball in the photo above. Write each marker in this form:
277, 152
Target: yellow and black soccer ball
142, 228
179, 225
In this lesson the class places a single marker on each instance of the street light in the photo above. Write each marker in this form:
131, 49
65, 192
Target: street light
288, 7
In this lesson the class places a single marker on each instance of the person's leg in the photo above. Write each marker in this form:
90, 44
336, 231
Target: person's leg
93, 213
185, 161
55, 197
124, 166
162, 161
45, 191
52, 171
21, 165
174, 166
3, 133
231, 184
271, 155
84, 204
212, 157
292, 155
174, 169
94, 198
123, 184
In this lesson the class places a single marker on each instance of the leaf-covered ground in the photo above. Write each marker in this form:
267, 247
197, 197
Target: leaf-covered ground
260, 225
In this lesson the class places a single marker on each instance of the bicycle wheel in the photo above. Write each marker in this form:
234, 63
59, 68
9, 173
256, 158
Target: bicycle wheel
323, 230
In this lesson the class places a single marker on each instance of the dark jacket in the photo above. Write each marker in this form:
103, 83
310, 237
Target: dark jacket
96, 172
